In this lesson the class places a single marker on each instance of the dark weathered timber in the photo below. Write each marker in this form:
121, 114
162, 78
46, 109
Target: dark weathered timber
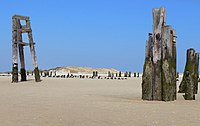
173, 65
37, 74
134, 75
147, 79
196, 73
109, 74
189, 83
93, 74
168, 65
129, 74
138, 75
18, 45
189, 91
159, 72
22, 70
120, 74
23, 74
96, 73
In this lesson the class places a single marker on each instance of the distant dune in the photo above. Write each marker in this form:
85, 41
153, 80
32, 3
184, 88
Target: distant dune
75, 69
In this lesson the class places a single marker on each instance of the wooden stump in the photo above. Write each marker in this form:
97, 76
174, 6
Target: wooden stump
129, 74
159, 71
138, 75
120, 74
189, 83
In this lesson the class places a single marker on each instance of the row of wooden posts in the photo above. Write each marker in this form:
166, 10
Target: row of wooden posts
159, 72
83, 76
94, 74
71, 75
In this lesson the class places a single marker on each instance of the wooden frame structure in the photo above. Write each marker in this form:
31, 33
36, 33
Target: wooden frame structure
18, 47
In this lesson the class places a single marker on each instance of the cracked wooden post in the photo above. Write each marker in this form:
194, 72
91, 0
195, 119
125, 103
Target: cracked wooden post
159, 72
189, 83
168, 64
17, 42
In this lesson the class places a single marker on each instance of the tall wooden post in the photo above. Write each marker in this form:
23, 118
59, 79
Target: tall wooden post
18, 29
33, 53
159, 80
14, 50
189, 83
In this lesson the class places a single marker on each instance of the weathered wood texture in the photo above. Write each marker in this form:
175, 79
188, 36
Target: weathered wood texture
159, 72
18, 45
14, 51
189, 83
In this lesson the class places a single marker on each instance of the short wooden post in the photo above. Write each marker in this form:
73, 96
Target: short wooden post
189, 83
129, 74
134, 75
96, 73
22, 70
120, 74
109, 74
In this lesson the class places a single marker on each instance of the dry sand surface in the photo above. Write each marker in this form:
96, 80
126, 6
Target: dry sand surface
86, 102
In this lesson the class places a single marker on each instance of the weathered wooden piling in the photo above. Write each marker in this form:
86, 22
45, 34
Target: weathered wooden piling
96, 73
134, 75
189, 83
129, 74
109, 74
93, 73
120, 74
126, 74
18, 45
138, 75
159, 72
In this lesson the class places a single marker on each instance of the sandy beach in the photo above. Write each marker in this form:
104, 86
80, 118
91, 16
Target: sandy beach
89, 102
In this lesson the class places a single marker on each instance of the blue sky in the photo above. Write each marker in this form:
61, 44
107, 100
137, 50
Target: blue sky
96, 33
